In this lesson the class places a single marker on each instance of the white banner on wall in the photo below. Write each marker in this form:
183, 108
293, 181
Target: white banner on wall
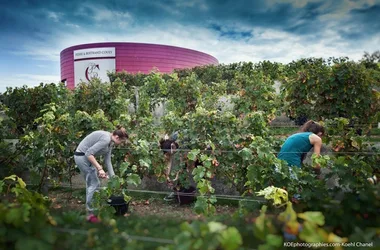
94, 52
85, 70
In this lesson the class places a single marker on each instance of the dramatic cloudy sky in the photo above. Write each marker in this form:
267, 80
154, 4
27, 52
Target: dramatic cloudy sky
34, 32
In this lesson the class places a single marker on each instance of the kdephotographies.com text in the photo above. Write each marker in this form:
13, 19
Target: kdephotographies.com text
328, 244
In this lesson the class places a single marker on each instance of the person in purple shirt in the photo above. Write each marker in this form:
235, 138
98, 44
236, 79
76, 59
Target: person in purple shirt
95, 144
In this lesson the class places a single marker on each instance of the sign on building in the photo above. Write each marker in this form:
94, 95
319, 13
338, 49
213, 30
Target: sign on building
93, 63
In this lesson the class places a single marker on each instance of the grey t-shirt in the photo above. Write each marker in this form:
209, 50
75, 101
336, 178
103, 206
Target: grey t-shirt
98, 143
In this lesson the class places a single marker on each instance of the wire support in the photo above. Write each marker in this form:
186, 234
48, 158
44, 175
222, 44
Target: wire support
122, 235
218, 196
237, 151
127, 237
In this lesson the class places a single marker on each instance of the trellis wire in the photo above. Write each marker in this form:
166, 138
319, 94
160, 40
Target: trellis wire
218, 196
237, 151
123, 235
126, 236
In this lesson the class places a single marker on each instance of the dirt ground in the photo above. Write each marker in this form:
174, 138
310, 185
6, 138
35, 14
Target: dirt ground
65, 200
144, 204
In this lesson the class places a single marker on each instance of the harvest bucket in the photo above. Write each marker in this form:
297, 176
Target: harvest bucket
119, 204
186, 195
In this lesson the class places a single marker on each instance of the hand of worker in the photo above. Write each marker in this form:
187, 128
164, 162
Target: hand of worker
102, 174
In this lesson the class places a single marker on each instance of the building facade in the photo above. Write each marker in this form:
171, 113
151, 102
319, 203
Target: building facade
80, 63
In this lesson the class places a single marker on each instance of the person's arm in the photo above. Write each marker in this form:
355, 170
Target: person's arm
108, 163
316, 141
95, 163
168, 166
90, 156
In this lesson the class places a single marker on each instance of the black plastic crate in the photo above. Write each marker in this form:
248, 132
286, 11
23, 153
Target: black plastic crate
119, 204
186, 195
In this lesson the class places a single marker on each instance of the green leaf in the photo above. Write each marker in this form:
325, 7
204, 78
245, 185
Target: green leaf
192, 155
21, 182
144, 163
215, 227
185, 226
17, 191
134, 179
231, 239
123, 168
246, 154
127, 198
274, 240
48, 235
211, 209
278, 195
18, 215
200, 206
197, 244
311, 233
203, 188
262, 225
265, 247
134, 167
288, 215
208, 174
198, 173
313, 217
11, 177
207, 164
32, 244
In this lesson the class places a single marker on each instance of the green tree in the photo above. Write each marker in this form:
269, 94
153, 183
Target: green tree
24, 104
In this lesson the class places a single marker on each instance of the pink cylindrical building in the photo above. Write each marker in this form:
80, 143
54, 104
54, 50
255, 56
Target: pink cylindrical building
83, 62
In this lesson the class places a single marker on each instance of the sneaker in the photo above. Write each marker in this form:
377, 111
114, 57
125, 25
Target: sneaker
93, 218
170, 197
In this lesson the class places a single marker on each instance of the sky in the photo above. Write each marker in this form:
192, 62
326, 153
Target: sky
34, 32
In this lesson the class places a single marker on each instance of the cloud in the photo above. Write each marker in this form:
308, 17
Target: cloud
228, 43
232, 31
167, 8
39, 50
264, 44
101, 14
54, 16
30, 80
199, 4
72, 25
295, 3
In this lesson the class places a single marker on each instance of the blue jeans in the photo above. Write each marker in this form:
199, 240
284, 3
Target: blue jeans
90, 175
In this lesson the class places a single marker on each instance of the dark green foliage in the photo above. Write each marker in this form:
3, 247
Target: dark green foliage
24, 104
323, 89
233, 144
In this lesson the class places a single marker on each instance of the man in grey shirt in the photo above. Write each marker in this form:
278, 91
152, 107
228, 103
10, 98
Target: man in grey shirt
95, 144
